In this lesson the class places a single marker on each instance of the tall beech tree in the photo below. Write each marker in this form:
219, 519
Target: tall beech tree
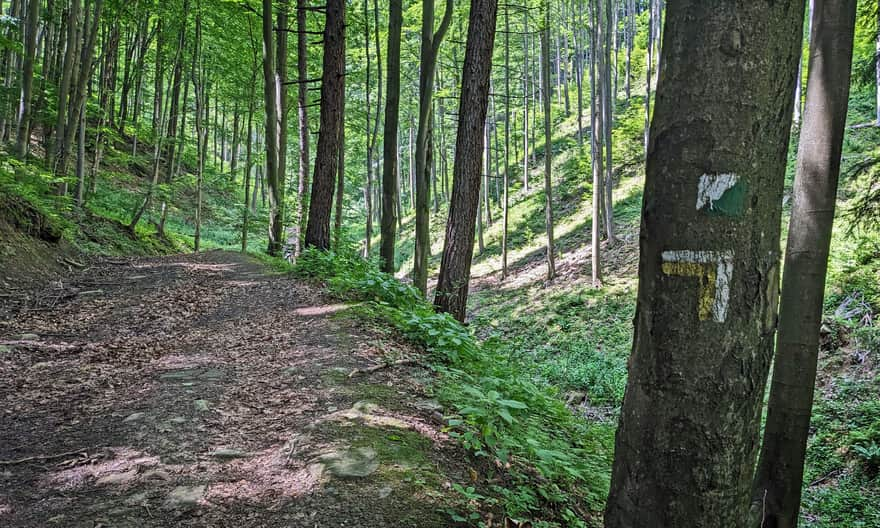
458, 248
327, 156
390, 156
779, 478
274, 109
709, 266
302, 123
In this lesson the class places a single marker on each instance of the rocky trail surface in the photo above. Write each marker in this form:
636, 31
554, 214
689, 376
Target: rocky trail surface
204, 390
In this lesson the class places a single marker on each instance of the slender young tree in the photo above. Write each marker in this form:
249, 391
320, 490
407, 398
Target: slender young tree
507, 118
392, 119
779, 478
273, 103
427, 66
302, 74
709, 265
200, 90
372, 119
548, 144
458, 248
596, 147
340, 184
327, 157
27, 78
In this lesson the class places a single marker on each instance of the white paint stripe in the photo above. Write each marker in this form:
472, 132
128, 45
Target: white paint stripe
723, 275
712, 187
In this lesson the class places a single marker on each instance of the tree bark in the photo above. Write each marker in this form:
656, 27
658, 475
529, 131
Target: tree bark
27, 79
281, 58
596, 147
779, 479
428, 62
327, 157
340, 184
272, 100
708, 273
548, 147
458, 249
608, 97
200, 91
507, 118
73, 28
390, 158
302, 73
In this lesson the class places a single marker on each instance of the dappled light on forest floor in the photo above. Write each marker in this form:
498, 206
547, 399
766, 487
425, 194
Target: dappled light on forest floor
311, 311
197, 394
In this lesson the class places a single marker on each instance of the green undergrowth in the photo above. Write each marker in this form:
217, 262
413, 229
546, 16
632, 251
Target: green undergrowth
551, 465
31, 188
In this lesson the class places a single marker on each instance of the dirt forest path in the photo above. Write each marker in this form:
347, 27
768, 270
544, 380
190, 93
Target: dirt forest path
204, 390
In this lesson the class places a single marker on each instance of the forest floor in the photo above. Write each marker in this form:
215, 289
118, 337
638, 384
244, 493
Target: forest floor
205, 390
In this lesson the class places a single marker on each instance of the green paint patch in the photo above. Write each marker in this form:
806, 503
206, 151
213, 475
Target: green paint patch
731, 203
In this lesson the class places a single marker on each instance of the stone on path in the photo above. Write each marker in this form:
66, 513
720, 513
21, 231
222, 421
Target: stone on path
201, 405
117, 478
228, 453
133, 417
185, 496
352, 462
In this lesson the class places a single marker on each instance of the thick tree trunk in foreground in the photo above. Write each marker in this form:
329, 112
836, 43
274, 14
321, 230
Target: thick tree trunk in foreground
709, 266
390, 169
779, 479
458, 248
327, 157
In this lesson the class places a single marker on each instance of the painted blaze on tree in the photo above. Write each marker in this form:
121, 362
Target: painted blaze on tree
708, 271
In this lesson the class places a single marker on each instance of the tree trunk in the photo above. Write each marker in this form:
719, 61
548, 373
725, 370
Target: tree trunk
200, 91
327, 157
548, 148
73, 26
877, 68
507, 118
390, 158
428, 62
371, 129
708, 273
176, 80
272, 99
648, 65
249, 139
340, 184
302, 73
282, 27
236, 125
608, 96
779, 479
596, 147
27, 79
458, 249
526, 96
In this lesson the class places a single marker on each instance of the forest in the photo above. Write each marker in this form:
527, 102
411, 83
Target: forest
427, 263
